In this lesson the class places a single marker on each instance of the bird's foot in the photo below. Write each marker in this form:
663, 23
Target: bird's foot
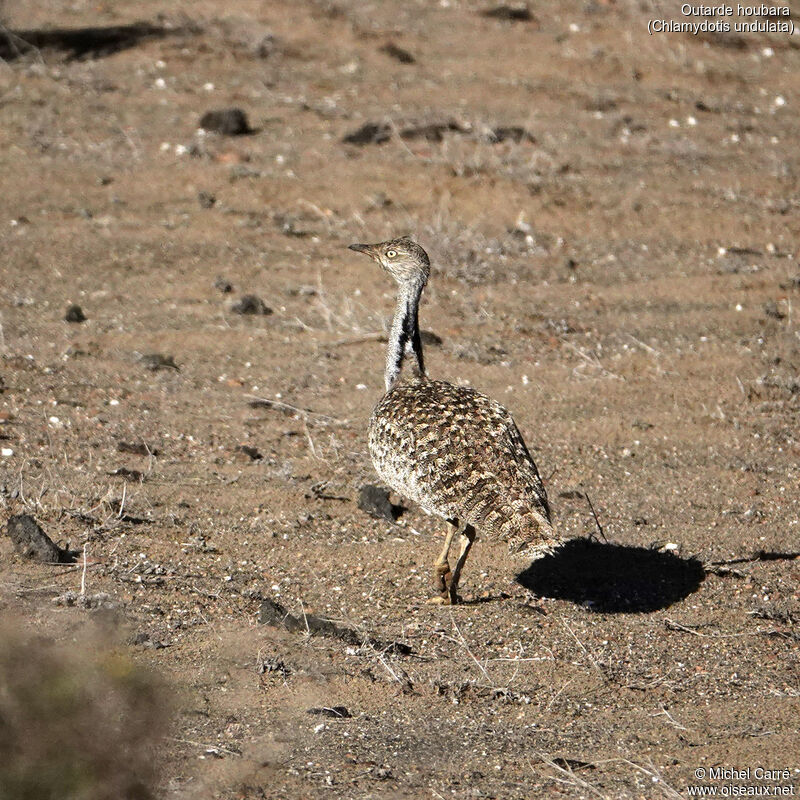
439, 600
446, 598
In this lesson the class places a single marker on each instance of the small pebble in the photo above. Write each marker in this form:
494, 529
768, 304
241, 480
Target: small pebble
511, 13
251, 304
251, 452
157, 361
227, 121
206, 199
223, 285
398, 53
75, 314
771, 310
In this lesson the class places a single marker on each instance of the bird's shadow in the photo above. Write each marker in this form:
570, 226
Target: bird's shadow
613, 578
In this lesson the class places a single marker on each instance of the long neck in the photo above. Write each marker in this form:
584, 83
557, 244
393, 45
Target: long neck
404, 337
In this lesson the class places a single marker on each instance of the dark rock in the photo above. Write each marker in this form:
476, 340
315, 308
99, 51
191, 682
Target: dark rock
771, 310
274, 614
223, 285
30, 541
267, 46
93, 42
744, 251
335, 712
512, 133
206, 199
379, 200
137, 448
430, 338
249, 451
157, 361
432, 132
144, 639
702, 105
398, 53
251, 304
75, 314
369, 133
318, 490
227, 121
380, 132
510, 13
269, 665
133, 475
73, 598
375, 501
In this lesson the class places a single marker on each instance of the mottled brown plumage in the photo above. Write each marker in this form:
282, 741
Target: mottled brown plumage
450, 448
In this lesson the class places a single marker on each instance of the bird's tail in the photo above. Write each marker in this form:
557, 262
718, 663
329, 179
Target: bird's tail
534, 535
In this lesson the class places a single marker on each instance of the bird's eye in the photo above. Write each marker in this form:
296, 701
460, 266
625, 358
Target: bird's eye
391, 253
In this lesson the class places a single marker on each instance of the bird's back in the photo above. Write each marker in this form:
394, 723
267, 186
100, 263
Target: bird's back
459, 455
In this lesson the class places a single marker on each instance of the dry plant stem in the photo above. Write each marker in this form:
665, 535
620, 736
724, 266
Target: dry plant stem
83, 571
122, 502
378, 336
596, 520
676, 626
658, 780
670, 719
585, 650
570, 778
469, 652
304, 412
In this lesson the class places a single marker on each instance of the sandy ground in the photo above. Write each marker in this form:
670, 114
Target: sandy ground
620, 270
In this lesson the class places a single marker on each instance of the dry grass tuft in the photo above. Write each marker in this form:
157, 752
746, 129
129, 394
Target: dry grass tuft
78, 724
465, 253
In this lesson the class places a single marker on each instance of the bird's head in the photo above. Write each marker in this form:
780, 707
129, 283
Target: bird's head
403, 259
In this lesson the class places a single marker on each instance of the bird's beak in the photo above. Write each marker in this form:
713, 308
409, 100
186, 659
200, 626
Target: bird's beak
367, 249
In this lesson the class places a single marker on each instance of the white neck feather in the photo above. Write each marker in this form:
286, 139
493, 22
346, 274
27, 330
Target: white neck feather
404, 339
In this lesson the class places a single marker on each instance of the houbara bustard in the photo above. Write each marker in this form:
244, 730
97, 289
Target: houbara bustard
451, 449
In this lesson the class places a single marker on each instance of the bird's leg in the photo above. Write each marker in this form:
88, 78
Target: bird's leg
441, 569
467, 538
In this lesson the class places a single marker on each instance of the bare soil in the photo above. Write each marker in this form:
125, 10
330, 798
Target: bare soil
613, 221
